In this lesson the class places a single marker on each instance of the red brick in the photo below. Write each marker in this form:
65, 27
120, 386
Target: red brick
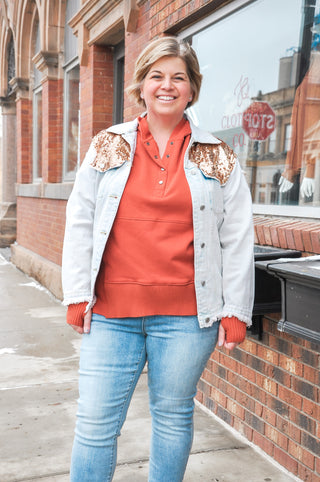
289, 364
267, 384
306, 475
268, 355
290, 397
269, 416
236, 409
311, 374
306, 236
260, 234
312, 408
243, 429
315, 240
297, 235
263, 442
301, 454
286, 460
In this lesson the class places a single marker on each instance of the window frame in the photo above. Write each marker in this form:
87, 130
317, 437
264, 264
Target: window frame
69, 175
310, 212
118, 83
35, 134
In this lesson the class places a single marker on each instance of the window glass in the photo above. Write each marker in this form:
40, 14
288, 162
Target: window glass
118, 83
261, 95
37, 134
37, 114
72, 108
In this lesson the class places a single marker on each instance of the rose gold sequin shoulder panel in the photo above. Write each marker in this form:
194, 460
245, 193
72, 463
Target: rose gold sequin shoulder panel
112, 151
215, 161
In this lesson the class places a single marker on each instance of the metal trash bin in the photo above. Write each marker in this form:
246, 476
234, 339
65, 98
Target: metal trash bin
267, 287
300, 293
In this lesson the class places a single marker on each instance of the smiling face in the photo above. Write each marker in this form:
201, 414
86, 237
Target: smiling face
166, 89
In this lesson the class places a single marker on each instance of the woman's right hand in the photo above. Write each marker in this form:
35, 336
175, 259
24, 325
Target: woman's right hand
85, 329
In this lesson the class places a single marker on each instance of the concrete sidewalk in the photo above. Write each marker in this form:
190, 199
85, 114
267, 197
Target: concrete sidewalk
38, 392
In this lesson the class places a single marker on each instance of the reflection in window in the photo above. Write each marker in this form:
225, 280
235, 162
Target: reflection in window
281, 71
272, 142
287, 137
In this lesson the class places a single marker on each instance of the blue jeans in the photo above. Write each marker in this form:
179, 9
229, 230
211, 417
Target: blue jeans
111, 360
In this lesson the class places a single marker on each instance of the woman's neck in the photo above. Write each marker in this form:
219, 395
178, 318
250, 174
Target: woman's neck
161, 130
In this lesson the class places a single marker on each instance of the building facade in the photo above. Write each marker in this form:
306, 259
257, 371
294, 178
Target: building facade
64, 67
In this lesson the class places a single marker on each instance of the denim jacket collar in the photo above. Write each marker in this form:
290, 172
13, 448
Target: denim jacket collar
127, 129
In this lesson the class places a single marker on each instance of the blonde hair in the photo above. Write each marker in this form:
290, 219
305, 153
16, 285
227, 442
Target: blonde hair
165, 47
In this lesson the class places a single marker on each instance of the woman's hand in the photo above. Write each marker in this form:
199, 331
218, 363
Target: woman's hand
222, 340
85, 329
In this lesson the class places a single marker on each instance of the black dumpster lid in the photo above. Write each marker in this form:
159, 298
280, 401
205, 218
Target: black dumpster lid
307, 268
270, 252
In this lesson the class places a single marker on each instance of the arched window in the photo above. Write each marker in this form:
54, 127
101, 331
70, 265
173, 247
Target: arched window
37, 113
11, 64
71, 107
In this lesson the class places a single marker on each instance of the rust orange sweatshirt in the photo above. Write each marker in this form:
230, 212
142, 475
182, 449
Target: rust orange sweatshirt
148, 267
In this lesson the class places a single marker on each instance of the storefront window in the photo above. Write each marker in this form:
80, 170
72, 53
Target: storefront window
261, 94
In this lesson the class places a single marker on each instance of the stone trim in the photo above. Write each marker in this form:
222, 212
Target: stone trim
59, 191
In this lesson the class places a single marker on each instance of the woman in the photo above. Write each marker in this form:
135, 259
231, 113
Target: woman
157, 266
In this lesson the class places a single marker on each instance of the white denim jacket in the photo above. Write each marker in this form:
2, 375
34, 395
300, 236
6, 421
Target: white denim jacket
222, 221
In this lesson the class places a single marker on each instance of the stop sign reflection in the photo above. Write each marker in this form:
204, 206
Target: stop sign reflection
259, 121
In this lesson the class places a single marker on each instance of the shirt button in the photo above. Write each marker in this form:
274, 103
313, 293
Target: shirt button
171, 143
148, 143
162, 169
202, 207
156, 157
203, 283
160, 182
203, 245
168, 155
207, 320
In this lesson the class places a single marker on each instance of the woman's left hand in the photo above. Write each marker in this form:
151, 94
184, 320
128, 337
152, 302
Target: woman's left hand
222, 340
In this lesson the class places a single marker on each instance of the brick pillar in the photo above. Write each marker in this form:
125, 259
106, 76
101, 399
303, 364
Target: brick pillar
96, 97
24, 140
52, 130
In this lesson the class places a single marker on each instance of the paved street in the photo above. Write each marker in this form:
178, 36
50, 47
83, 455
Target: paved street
38, 392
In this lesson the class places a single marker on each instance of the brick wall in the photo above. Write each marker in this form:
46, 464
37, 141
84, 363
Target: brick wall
40, 226
52, 130
96, 96
134, 44
24, 140
275, 402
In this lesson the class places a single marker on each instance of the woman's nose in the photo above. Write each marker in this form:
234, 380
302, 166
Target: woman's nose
167, 83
